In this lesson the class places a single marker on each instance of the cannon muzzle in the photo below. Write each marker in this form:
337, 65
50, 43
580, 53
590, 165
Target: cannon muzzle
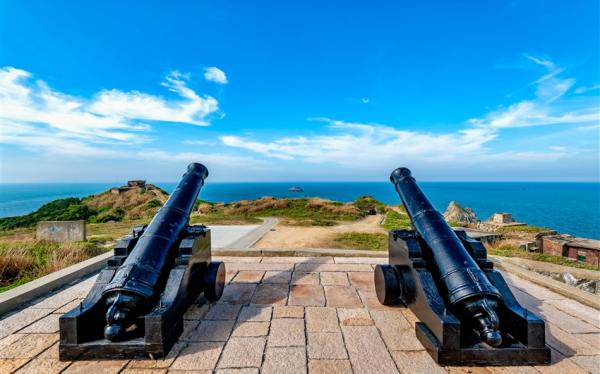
466, 287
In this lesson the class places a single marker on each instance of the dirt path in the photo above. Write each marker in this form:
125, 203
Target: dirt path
315, 236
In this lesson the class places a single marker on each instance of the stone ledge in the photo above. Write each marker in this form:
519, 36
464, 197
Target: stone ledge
549, 283
18, 296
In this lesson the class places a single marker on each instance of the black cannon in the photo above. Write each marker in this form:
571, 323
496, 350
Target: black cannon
136, 306
467, 313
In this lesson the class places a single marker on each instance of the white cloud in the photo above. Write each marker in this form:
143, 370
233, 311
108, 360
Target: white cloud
30, 107
581, 90
551, 105
364, 146
365, 100
214, 74
35, 117
191, 108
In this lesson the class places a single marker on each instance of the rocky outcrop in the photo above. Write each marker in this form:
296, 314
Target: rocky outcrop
456, 213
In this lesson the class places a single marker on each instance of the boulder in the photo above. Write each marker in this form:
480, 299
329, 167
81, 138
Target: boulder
456, 213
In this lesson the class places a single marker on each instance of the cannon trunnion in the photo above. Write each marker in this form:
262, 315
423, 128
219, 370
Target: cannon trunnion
135, 308
467, 313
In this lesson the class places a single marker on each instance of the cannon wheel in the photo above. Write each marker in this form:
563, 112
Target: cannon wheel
387, 284
214, 281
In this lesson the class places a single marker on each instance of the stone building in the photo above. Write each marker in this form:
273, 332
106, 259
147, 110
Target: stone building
576, 249
502, 218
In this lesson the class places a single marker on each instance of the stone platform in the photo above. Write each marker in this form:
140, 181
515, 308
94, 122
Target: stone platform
297, 315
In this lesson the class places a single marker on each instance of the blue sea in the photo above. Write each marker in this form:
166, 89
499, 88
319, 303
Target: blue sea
572, 208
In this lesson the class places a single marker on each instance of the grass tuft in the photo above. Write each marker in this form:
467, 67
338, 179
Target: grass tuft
24, 260
361, 240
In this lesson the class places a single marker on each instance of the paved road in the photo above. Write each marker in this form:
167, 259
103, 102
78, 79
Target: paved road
298, 314
224, 236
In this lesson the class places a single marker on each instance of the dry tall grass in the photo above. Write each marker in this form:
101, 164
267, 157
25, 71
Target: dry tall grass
27, 259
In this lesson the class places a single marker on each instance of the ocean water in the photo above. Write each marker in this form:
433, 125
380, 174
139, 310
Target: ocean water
572, 208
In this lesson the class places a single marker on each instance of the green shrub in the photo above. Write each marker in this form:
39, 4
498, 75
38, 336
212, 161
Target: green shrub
58, 210
153, 203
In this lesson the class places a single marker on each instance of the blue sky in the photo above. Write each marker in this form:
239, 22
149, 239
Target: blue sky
292, 91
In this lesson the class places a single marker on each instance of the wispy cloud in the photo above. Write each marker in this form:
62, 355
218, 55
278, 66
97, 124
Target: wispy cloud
190, 108
581, 90
214, 74
112, 124
367, 145
550, 106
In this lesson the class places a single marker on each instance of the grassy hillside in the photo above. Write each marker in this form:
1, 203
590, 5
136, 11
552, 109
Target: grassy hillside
134, 204
303, 212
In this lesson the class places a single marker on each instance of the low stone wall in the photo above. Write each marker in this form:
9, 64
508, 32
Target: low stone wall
61, 231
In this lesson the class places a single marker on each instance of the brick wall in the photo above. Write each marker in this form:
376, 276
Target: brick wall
552, 246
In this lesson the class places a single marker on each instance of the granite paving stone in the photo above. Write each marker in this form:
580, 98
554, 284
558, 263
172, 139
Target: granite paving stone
223, 311
286, 332
288, 312
211, 331
229, 275
306, 294
566, 343
198, 356
9, 365
416, 362
238, 293
255, 313
196, 312
277, 277
46, 362
264, 323
69, 306
163, 363
260, 266
274, 294
46, 325
342, 296
305, 278
28, 345
334, 278
238, 371
589, 363
289, 360
368, 353
354, 317
333, 267
251, 329
321, 319
560, 364
242, 352
362, 280
395, 331
103, 366
21, 319
329, 367
326, 345
248, 277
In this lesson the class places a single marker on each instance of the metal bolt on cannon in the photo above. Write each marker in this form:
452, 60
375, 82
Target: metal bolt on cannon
136, 306
467, 313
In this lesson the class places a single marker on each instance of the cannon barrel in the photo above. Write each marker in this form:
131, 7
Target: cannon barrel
466, 286
138, 280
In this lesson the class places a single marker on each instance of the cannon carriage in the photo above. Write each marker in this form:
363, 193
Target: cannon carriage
467, 313
136, 306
